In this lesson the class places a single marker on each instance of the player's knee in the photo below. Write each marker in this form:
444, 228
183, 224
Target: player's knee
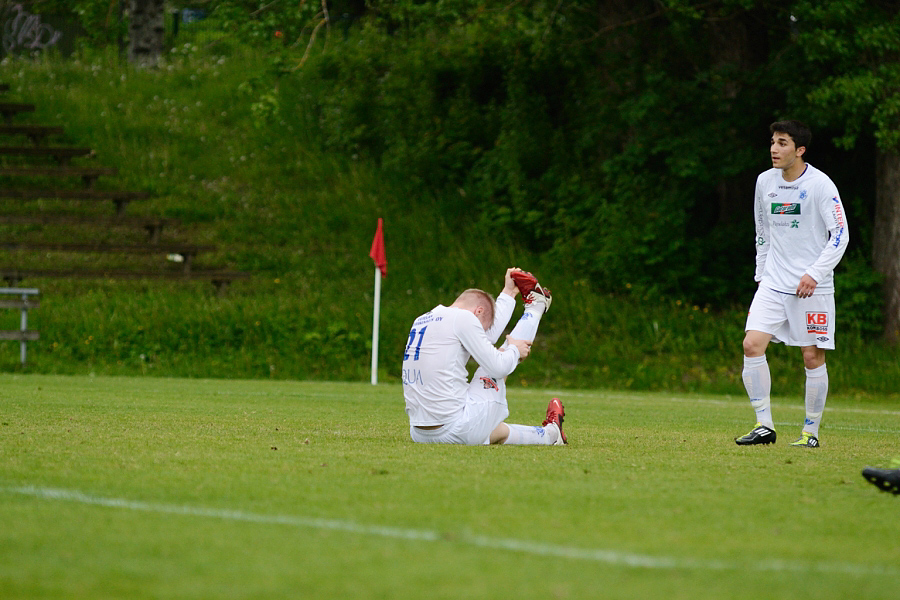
813, 357
500, 434
753, 346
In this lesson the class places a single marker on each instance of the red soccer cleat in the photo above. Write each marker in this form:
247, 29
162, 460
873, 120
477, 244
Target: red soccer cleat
525, 281
531, 290
555, 414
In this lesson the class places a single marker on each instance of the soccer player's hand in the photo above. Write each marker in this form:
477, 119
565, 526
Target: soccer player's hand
523, 346
509, 286
807, 287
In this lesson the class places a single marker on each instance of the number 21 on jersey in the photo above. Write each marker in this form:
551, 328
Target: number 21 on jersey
412, 339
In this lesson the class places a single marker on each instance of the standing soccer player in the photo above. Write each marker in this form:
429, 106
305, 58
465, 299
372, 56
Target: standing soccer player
442, 405
801, 235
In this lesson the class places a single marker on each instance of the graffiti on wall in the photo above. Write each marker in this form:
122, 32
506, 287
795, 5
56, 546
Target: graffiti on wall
25, 31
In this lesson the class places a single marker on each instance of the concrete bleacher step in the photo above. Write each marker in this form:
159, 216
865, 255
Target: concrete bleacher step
186, 252
8, 110
62, 154
36, 133
87, 174
220, 278
154, 226
118, 197
184, 269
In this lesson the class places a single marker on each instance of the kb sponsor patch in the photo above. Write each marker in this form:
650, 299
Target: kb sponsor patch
817, 323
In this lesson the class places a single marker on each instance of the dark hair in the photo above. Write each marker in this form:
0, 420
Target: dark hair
799, 132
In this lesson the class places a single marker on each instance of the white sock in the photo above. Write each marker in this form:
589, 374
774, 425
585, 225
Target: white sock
527, 326
758, 383
525, 435
816, 392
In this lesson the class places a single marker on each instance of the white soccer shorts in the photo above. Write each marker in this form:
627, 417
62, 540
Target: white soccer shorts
485, 408
791, 320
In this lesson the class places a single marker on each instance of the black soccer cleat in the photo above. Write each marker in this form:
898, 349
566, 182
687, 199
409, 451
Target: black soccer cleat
806, 440
886, 480
760, 434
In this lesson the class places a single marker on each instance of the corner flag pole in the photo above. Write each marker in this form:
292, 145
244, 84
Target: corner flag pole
377, 254
375, 316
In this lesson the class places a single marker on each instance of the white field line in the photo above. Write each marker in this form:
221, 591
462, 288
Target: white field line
609, 557
725, 400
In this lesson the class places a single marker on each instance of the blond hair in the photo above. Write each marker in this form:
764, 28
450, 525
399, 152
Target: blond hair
473, 297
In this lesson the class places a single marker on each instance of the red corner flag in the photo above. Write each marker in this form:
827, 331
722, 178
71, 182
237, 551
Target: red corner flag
377, 252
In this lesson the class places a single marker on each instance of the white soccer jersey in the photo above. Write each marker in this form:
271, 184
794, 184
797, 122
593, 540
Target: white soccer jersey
801, 228
440, 344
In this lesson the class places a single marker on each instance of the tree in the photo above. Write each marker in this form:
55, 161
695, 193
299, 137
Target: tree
586, 129
623, 136
886, 242
852, 48
147, 39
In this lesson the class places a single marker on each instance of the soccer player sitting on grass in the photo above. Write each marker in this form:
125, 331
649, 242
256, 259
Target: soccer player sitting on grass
442, 405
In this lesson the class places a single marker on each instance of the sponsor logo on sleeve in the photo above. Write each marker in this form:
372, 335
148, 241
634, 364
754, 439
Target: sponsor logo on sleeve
839, 221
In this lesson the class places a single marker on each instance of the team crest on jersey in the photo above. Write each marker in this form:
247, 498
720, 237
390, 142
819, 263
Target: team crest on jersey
803, 194
490, 384
817, 323
785, 208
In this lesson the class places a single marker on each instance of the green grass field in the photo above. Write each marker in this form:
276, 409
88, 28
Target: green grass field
176, 488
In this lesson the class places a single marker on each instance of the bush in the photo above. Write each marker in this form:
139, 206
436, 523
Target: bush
287, 171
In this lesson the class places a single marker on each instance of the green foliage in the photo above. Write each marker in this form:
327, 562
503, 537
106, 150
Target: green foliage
263, 24
501, 112
482, 148
98, 20
852, 48
860, 297
576, 143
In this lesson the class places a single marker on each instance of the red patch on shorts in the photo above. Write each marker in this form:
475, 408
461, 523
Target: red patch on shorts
490, 384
